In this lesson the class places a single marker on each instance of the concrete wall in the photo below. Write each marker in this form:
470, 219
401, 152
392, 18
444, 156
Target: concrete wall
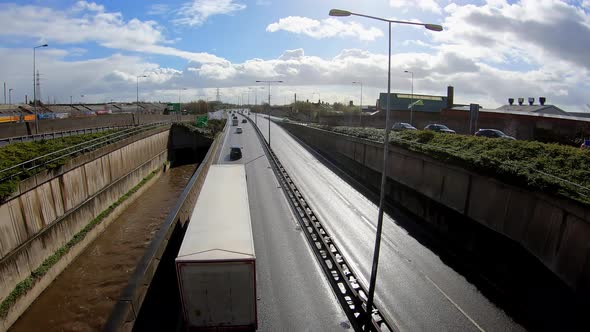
107, 120
554, 230
50, 208
168, 238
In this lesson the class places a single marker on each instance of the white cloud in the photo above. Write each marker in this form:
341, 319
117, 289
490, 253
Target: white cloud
89, 24
114, 77
196, 12
158, 9
536, 32
325, 28
428, 5
91, 6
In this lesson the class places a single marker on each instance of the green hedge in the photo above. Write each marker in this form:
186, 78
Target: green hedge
24, 286
550, 168
16, 153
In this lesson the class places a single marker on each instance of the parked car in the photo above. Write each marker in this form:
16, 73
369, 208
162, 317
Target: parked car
239, 130
399, 126
492, 133
244, 121
235, 153
439, 128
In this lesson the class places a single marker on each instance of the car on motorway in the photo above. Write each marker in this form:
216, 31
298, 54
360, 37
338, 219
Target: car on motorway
492, 133
399, 126
239, 130
244, 121
440, 128
235, 153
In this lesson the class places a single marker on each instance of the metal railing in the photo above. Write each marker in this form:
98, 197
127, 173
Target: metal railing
349, 292
33, 164
57, 134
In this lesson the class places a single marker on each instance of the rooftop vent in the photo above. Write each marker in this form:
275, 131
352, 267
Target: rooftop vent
520, 101
511, 101
542, 100
531, 101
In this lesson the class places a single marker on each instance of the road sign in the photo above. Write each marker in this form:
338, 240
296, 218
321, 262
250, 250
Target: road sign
202, 121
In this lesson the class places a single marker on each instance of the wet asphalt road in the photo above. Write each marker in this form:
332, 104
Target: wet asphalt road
417, 290
293, 293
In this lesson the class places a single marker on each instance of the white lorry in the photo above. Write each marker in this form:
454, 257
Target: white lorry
216, 263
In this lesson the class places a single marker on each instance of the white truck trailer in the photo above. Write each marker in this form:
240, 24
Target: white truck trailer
216, 264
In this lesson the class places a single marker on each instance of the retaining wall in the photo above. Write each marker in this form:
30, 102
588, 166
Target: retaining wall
53, 206
170, 234
555, 230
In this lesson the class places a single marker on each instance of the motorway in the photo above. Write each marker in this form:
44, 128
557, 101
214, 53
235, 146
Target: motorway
292, 290
415, 288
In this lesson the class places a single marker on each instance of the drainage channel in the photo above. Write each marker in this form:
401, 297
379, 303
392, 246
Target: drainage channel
350, 293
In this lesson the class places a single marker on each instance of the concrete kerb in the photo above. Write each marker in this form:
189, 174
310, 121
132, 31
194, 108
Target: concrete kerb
125, 311
30, 296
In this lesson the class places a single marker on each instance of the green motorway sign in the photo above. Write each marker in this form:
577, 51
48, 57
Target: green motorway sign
202, 121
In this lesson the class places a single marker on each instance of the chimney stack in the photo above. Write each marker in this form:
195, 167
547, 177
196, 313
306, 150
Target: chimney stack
511, 101
542, 100
450, 96
520, 101
531, 101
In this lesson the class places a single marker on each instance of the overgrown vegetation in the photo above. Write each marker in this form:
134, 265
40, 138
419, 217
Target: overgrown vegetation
24, 286
214, 126
17, 153
551, 168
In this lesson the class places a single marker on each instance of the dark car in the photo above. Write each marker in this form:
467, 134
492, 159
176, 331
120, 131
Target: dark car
439, 128
492, 133
244, 121
235, 153
399, 126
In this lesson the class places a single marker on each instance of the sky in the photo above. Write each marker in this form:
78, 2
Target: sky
489, 50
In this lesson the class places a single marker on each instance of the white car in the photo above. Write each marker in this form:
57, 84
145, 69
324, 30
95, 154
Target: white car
239, 130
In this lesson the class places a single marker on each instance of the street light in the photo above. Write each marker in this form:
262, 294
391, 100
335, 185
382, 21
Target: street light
34, 88
412, 98
10, 96
137, 103
433, 27
255, 102
361, 114
269, 105
179, 104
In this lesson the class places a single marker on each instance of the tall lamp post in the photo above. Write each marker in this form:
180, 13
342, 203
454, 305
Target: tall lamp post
137, 103
412, 98
433, 27
10, 96
269, 105
255, 102
35, 88
179, 104
361, 113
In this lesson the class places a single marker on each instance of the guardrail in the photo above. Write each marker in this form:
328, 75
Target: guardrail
37, 162
350, 293
58, 134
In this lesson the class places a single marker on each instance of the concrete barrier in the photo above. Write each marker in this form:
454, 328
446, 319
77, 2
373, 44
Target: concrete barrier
129, 304
44, 217
555, 230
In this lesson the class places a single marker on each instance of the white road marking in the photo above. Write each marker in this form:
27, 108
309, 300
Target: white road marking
455, 304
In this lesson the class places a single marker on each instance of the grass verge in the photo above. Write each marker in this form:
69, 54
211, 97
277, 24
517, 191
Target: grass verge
24, 286
17, 153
